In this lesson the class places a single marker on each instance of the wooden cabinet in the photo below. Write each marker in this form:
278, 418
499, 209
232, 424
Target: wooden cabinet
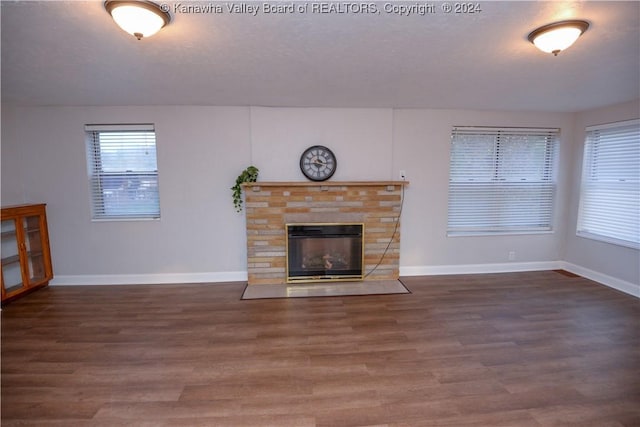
26, 258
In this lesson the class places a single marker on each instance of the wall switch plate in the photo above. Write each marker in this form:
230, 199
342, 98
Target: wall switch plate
403, 175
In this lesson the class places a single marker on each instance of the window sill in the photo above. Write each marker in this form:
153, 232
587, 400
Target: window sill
495, 233
610, 240
124, 219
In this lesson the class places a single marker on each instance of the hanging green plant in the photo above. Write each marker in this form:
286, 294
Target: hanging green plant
250, 174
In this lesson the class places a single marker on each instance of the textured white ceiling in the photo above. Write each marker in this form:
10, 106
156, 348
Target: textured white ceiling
72, 53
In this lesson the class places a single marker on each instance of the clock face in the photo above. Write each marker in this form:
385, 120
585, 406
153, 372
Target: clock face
318, 163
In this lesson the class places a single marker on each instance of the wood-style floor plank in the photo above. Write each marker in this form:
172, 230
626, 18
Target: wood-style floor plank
516, 349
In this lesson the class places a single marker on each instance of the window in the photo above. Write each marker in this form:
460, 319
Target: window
123, 171
610, 190
501, 180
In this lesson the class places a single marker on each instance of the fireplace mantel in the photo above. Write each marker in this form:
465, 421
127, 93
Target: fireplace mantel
270, 206
323, 183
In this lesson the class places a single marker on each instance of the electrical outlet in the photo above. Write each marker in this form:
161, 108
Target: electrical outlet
403, 175
512, 255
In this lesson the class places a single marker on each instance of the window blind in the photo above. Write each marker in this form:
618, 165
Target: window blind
610, 190
501, 180
123, 171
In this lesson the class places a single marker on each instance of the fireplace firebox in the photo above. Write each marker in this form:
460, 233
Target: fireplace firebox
324, 252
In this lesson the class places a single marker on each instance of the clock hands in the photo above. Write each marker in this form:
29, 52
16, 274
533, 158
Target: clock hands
317, 163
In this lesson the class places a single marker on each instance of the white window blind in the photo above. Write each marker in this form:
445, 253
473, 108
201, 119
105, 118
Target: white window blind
610, 190
501, 180
123, 171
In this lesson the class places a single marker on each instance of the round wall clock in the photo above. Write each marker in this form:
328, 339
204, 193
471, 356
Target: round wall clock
318, 163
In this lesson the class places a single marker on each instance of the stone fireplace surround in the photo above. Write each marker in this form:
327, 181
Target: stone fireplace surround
270, 206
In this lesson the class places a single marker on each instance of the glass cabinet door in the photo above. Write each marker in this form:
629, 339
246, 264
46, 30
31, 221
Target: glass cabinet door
11, 271
25, 254
33, 247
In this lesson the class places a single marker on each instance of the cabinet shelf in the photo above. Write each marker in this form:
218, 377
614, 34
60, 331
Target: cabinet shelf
16, 258
8, 234
11, 260
25, 235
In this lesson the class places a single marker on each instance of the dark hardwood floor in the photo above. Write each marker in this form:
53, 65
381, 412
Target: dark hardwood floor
517, 349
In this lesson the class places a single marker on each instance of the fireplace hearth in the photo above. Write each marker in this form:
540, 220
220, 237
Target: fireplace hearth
324, 252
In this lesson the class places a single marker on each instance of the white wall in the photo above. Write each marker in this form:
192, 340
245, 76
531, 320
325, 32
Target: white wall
601, 261
200, 152
421, 147
361, 139
202, 149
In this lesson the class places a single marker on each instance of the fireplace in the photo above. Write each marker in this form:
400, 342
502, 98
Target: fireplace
270, 206
324, 252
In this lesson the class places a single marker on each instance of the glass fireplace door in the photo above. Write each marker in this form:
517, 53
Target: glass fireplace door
324, 252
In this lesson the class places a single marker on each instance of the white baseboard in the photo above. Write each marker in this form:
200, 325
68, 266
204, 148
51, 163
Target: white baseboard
433, 270
612, 282
149, 279
510, 267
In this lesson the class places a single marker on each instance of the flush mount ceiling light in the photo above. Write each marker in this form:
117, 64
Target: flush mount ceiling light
558, 36
140, 18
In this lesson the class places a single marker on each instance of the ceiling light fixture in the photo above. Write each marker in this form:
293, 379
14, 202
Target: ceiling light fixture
140, 18
558, 36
